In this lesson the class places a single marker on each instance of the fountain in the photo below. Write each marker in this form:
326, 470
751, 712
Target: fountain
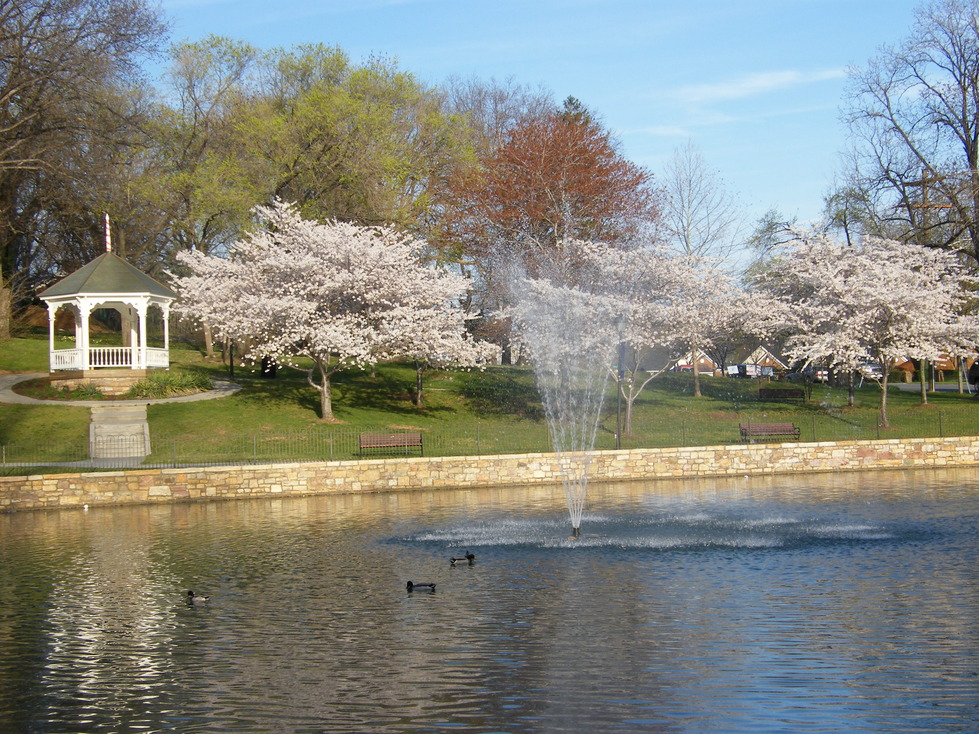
842, 602
569, 334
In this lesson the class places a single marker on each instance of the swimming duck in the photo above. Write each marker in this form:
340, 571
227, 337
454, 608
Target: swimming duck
411, 585
193, 598
468, 557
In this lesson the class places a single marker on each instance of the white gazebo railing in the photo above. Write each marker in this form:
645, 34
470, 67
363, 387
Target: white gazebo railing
67, 359
110, 357
156, 357
124, 357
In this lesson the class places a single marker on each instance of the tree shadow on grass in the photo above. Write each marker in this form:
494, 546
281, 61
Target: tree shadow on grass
269, 394
503, 395
383, 393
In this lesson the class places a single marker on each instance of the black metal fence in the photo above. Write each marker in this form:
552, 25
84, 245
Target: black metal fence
330, 443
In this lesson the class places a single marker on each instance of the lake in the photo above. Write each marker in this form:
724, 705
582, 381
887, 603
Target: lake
802, 603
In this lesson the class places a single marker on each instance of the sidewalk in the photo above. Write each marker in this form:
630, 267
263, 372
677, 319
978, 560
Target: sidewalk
222, 388
948, 386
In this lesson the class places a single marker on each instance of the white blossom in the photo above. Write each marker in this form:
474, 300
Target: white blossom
338, 293
882, 300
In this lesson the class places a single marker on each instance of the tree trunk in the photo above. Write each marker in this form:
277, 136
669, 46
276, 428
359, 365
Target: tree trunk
326, 396
6, 298
851, 391
696, 372
6, 301
208, 342
419, 385
326, 401
923, 378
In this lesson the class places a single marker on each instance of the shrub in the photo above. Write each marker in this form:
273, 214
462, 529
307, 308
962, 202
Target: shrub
167, 384
85, 392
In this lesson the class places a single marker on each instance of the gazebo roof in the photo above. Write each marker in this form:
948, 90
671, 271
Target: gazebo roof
107, 274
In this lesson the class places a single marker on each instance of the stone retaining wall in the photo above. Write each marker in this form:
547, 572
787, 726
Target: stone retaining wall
381, 475
110, 382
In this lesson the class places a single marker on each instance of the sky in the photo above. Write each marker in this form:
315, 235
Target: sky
756, 85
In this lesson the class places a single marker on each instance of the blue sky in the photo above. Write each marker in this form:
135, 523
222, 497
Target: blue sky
755, 84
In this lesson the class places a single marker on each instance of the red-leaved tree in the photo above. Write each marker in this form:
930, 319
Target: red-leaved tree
556, 178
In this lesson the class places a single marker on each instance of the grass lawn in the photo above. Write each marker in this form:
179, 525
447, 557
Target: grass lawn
466, 412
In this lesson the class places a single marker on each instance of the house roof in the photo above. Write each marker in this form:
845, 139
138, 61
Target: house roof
107, 274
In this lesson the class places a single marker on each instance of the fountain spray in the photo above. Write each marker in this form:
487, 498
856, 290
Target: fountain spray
567, 331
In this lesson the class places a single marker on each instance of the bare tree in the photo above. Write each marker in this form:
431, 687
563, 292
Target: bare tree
491, 109
60, 63
701, 218
914, 112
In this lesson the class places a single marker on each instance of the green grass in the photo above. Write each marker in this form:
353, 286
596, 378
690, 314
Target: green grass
476, 412
24, 355
43, 427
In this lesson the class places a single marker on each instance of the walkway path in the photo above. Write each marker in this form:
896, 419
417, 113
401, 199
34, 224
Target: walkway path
118, 429
222, 388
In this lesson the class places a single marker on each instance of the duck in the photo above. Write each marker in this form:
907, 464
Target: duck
411, 586
468, 557
193, 598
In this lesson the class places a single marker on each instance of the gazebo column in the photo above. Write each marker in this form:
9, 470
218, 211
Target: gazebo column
82, 331
142, 336
134, 341
52, 313
165, 308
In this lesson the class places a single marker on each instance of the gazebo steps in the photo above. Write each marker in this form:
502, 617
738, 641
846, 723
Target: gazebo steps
117, 431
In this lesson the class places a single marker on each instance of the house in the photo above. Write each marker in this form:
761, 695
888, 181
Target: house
699, 359
758, 362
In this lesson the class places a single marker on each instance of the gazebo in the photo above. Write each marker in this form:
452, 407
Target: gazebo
108, 282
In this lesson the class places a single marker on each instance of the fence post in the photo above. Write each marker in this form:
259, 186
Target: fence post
813, 419
479, 450
254, 448
941, 428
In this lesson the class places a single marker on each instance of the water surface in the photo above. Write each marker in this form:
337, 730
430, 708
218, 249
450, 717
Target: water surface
809, 603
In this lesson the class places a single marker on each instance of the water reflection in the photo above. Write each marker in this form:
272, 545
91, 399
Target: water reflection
838, 603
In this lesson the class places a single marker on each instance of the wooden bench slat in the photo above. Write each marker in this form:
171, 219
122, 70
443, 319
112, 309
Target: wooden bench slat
391, 441
770, 430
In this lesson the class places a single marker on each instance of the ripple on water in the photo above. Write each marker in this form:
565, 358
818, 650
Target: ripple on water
833, 609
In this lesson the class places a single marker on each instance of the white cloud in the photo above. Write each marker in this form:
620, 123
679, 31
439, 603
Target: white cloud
661, 131
752, 85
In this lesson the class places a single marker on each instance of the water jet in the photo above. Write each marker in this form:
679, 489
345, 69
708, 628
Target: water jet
570, 336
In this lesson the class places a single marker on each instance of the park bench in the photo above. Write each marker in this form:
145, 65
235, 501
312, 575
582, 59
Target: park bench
387, 441
752, 431
785, 393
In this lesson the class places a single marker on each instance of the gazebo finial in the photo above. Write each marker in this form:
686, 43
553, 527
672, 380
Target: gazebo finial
108, 234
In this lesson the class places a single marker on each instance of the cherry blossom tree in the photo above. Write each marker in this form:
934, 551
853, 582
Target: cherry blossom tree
431, 330
880, 300
666, 301
340, 294
643, 299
